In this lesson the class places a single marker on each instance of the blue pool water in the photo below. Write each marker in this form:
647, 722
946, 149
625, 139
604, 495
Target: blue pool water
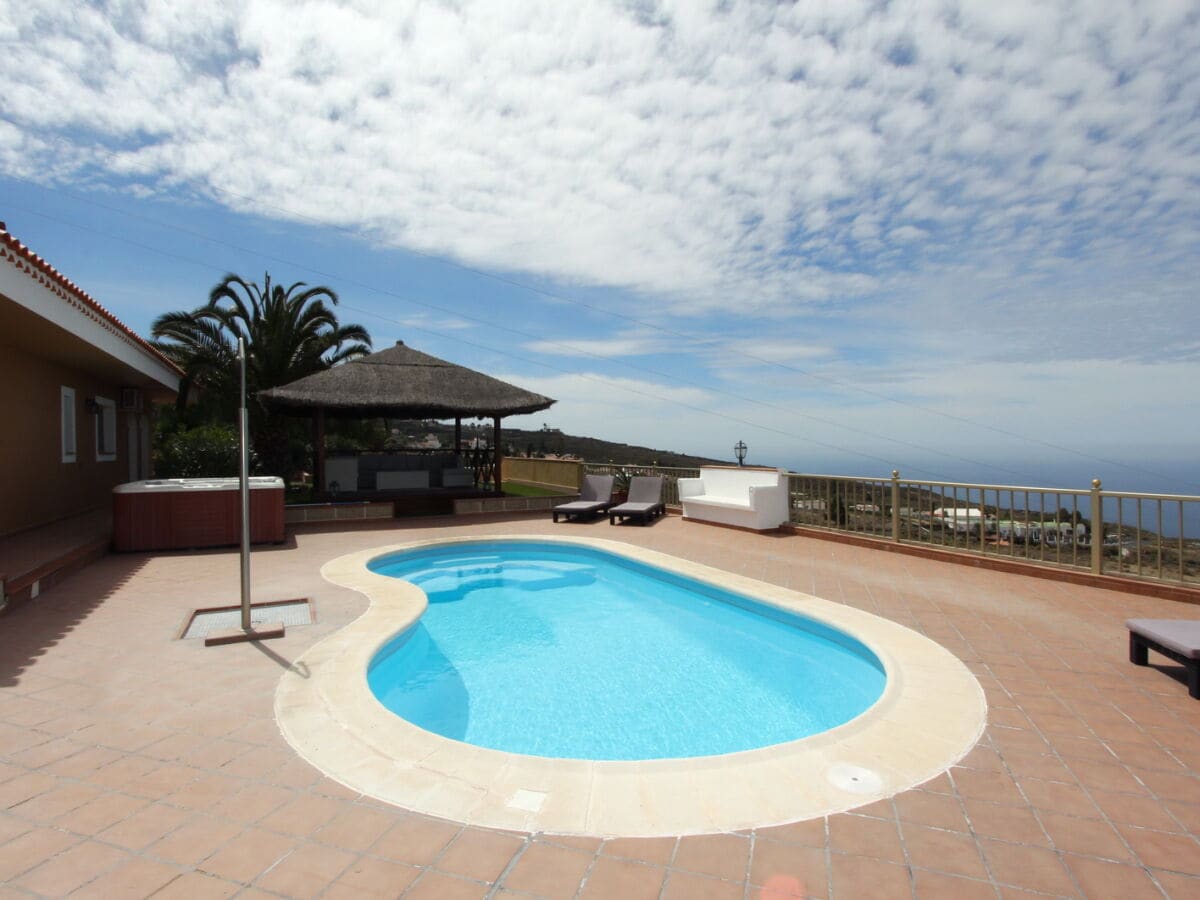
561, 651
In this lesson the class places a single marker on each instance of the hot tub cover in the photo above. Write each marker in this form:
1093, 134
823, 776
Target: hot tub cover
167, 485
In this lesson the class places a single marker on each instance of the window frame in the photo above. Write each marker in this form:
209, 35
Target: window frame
68, 424
106, 411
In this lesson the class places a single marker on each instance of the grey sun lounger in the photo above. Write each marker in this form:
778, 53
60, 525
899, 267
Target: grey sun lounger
595, 496
644, 503
1177, 639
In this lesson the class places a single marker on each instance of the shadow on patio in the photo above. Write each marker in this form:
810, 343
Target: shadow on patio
33, 628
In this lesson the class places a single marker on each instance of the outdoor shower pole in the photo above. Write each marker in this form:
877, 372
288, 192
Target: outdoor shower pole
244, 486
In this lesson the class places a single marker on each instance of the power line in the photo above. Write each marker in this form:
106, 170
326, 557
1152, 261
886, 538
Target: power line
524, 334
689, 338
461, 340
709, 342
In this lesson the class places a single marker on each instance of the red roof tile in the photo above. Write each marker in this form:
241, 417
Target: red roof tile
13, 251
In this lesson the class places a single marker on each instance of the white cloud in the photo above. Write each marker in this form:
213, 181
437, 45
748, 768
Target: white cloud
695, 154
778, 351
432, 323
850, 186
627, 410
628, 344
818, 435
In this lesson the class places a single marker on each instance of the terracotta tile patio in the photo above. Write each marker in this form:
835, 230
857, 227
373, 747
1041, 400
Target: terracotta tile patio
133, 764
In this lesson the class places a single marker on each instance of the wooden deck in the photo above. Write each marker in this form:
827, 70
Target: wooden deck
31, 560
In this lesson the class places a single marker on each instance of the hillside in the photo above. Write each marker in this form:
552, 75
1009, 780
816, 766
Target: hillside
596, 450
520, 442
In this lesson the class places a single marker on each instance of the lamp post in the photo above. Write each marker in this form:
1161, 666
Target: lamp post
740, 449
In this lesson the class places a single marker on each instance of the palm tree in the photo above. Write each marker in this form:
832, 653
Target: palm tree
289, 333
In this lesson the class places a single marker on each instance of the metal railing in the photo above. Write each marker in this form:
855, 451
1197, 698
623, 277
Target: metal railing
1145, 535
1131, 534
482, 463
1150, 536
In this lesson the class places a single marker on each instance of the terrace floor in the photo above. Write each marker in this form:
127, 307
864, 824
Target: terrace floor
134, 764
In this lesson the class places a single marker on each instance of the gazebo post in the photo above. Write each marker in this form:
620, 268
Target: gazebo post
458, 434
318, 451
496, 452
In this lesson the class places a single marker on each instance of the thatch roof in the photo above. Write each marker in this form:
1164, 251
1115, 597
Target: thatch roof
405, 383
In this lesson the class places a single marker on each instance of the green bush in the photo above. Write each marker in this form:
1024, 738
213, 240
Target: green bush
210, 451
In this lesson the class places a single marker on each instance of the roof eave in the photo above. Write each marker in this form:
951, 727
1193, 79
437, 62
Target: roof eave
371, 411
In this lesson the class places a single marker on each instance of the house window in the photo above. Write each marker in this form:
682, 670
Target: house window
106, 430
67, 403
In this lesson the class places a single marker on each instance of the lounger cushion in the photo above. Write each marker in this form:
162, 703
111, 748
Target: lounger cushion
1179, 635
633, 509
645, 489
580, 506
596, 488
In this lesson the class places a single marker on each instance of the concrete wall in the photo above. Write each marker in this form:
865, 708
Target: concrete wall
36, 486
484, 505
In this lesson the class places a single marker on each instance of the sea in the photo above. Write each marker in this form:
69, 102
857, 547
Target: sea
1158, 477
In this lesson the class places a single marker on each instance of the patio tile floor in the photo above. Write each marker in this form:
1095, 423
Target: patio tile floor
132, 764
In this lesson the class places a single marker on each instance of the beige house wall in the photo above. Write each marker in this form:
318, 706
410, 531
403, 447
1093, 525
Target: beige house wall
36, 486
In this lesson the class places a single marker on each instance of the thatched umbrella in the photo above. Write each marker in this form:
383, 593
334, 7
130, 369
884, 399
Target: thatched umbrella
404, 383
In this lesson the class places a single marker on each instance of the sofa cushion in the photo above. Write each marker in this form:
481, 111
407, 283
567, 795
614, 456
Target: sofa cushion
392, 481
710, 500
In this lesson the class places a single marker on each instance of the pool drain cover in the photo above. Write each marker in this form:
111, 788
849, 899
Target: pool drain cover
854, 779
204, 622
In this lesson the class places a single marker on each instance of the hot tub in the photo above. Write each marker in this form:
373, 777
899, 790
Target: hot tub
180, 513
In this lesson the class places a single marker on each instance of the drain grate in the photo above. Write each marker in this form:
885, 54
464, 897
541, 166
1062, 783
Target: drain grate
205, 621
854, 779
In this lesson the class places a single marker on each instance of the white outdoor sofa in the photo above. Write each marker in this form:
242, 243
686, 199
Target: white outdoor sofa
744, 497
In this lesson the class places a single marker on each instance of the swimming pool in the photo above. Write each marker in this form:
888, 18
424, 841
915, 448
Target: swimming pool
572, 652
930, 714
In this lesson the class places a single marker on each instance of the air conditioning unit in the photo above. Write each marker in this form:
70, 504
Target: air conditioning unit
131, 400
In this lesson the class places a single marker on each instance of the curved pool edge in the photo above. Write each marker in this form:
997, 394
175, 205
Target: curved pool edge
931, 713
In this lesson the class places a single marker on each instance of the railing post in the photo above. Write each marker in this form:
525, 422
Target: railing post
896, 505
1097, 503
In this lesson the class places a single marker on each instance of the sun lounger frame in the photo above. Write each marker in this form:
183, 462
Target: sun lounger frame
641, 510
1142, 639
589, 503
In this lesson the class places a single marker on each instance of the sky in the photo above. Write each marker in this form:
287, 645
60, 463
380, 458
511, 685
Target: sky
957, 239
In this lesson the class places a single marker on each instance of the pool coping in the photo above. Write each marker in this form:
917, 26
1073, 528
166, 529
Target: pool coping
931, 713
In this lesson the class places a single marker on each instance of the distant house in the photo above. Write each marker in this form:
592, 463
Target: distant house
1050, 533
960, 519
76, 387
